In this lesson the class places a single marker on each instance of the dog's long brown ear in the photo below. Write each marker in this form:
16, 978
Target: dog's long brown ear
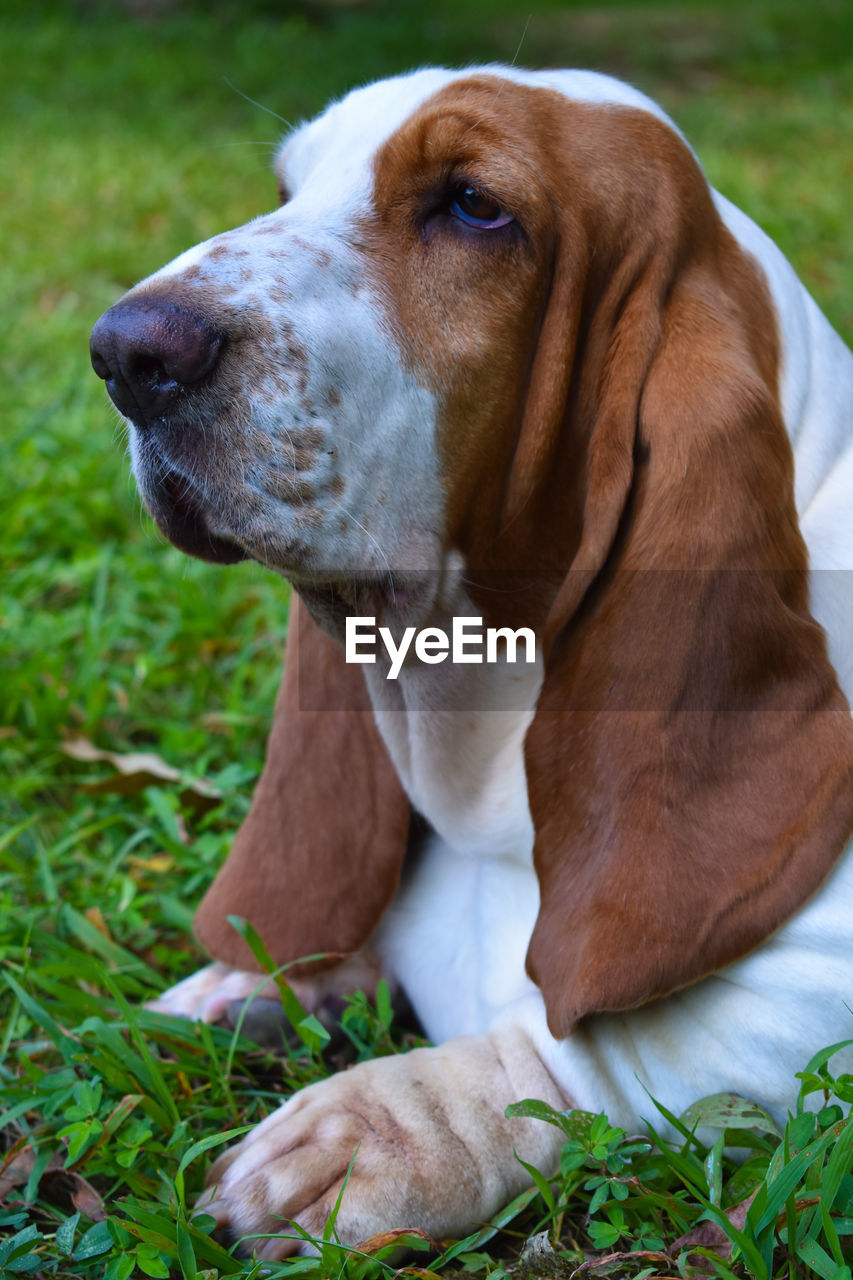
690, 764
318, 858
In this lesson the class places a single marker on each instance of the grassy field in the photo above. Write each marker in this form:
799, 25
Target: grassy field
127, 136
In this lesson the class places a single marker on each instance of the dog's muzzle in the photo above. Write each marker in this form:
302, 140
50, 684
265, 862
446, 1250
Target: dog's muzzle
154, 355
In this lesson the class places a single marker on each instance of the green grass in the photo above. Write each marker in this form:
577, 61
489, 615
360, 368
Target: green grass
124, 142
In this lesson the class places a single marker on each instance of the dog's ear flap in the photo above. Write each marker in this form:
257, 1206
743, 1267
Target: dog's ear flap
680, 819
690, 764
319, 856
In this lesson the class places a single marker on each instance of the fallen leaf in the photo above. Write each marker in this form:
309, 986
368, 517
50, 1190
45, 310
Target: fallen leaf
93, 915
400, 1236
710, 1235
85, 1198
17, 1165
157, 864
538, 1249
136, 770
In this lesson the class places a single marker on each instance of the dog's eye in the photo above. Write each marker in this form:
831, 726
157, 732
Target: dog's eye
477, 209
283, 193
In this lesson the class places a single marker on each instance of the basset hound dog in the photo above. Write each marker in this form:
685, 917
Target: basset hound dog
502, 353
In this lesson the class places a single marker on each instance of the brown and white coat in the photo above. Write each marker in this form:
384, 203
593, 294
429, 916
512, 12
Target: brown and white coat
605, 408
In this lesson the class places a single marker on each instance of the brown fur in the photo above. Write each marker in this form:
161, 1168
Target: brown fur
318, 859
611, 440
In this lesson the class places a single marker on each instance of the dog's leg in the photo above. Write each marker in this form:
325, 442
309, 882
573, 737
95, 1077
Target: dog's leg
432, 1145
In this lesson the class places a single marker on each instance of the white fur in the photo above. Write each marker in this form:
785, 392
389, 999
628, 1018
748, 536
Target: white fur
459, 928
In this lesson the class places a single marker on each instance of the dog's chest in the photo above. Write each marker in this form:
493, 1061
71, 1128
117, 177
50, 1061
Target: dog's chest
455, 734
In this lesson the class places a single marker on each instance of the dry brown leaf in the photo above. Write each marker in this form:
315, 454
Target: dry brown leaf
156, 865
400, 1236
710, 1235
93, 915
16, 1167
18, 1164
136, 770
85, 1198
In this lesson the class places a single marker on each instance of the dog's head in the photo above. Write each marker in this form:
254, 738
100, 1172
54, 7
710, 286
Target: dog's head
460, 296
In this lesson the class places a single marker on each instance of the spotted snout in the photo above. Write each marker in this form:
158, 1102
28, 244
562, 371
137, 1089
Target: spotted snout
157, 354
270, 412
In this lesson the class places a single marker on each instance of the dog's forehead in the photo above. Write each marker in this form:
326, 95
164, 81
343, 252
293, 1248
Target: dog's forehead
335, 151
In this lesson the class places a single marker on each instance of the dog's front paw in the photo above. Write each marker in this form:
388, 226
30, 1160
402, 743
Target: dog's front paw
431, 1145
218, 993
207, 994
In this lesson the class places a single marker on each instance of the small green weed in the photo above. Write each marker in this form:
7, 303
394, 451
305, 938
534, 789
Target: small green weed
109, 1109
789, 1202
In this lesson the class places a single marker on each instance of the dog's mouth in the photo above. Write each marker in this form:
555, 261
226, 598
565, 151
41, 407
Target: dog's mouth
185, 518
215, 531
189, 521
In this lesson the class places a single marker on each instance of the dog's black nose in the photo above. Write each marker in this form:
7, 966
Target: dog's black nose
149, 351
